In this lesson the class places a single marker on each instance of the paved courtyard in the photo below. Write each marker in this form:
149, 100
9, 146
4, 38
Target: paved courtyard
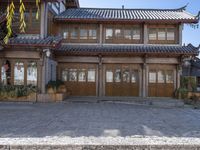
96, 120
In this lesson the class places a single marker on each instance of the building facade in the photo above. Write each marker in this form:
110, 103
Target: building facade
98, 51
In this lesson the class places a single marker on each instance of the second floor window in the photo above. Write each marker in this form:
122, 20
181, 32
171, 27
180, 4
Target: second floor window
171, 34
136, 33
162, 34
83, 34
74, 33
123, 33
92, 34
152, 34
127, 34
118, 33
109, 33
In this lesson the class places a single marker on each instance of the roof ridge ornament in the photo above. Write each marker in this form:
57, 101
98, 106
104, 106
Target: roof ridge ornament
198, 47
198, 16
183, 8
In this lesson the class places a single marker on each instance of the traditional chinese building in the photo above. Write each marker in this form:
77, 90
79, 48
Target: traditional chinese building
98, 51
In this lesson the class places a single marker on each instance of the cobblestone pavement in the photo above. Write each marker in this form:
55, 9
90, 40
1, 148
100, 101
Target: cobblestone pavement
96, 120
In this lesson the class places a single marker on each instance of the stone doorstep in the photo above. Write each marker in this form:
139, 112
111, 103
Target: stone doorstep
160, 102
99, 147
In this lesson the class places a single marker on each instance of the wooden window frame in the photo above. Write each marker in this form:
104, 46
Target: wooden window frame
165, 27
122, 39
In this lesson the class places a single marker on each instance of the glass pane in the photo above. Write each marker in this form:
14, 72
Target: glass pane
134, 76
161, 34
117, 76
83, 34
161, 76
73, 75
109, 33
126, 75
127, 34
118, 33
74, 33
152, 77
32, 73
65, 35
3, 75
19, 73
91, 75
82, 75
109, 76
169, 76
152, 34
136, 33
92, 34
171, 34
65, 75
6, 73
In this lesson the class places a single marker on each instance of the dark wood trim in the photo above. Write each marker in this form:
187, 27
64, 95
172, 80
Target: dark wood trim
124, 21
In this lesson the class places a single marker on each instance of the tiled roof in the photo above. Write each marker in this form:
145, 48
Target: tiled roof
105, 14
50, 41
127, 49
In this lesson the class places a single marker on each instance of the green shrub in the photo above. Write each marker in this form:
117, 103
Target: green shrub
181, 93
54, 84
189, 83
14, 91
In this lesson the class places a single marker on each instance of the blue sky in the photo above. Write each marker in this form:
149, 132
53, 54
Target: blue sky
190, 35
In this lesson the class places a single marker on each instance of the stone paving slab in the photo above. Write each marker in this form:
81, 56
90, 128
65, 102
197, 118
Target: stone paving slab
97, 124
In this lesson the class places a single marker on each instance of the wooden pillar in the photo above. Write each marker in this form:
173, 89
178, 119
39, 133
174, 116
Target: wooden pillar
144, 80
25, 72
1, 64
12, 65
180, 36
145, 34
104, 80
43, 73
100, 77
178, 75
101, 34
43, 19
39, 74
140, 82
175, 80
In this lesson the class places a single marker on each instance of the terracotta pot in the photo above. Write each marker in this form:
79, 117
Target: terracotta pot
62, 89
51, 91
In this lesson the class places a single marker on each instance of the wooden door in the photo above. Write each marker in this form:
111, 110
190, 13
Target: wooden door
161, 83
121, 80
80, 79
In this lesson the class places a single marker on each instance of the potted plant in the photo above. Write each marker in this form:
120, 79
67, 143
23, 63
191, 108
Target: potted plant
56, 87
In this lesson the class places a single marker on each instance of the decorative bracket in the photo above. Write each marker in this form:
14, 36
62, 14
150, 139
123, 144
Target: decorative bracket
198, 16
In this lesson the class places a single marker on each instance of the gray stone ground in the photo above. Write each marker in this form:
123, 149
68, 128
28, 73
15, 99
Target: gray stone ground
96, 120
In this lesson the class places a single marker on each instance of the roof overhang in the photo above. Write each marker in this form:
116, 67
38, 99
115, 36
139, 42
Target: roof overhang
127, 50
49, 42
80, 20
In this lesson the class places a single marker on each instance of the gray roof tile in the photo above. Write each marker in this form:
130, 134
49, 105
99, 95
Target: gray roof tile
132, 49
50, 41
127, 14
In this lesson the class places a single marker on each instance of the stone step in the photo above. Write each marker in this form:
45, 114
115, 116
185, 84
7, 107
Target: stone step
100, 147
160, 102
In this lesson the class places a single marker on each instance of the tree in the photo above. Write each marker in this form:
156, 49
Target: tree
10, 14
